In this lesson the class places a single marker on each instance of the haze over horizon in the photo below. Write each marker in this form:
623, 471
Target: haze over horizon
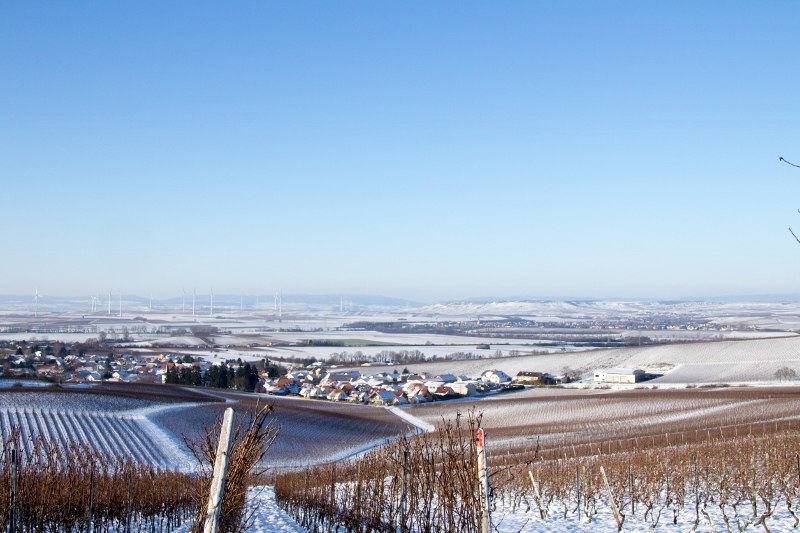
361, 301
424, 151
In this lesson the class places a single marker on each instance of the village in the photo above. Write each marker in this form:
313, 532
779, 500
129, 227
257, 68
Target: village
316, 381
58, 363
404, 388
390, 388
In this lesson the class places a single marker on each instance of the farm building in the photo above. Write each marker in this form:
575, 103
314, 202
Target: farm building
535, 378
464, 388
618, 375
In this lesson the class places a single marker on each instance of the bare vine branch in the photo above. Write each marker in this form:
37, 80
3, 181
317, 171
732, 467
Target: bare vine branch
793, 235
788, 162
798, 166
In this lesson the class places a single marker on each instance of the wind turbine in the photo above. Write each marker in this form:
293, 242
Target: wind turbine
36, 297
109, 302
194, 295
120, 303
183, 311
151, 302
211, 312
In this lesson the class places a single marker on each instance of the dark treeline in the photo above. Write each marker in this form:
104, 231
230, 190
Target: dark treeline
243, 378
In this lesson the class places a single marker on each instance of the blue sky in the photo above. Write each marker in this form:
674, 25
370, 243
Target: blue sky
422, 150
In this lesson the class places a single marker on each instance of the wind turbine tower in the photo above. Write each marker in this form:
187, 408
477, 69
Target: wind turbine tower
120, 303
183, 308
194, 295
36, 297
211, 313
109, 302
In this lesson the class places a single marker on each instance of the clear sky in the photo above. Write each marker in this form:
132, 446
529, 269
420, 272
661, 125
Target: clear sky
422, 150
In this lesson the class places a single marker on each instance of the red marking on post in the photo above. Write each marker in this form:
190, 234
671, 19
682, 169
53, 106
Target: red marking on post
479, 437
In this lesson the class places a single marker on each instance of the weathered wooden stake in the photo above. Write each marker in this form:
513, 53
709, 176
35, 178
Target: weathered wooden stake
130, 503
12, 527
333, 486
630, 489
538, 496
91, 498
483, 482
578, 488
404, 496
220, 470
611, 501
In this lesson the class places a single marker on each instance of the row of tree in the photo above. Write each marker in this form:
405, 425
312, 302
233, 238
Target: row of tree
242, 378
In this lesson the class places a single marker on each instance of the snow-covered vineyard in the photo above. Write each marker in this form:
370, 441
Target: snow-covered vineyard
110, 425
126, 426
523, 516
146, 426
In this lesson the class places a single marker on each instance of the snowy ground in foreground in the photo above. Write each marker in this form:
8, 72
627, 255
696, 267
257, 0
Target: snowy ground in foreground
267, 516
603, 522
270, 518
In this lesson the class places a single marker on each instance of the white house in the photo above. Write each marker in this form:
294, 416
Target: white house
332, 378
496, 376
618, 375
464, 388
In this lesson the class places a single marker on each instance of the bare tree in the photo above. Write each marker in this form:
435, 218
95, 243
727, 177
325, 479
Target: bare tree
785, 373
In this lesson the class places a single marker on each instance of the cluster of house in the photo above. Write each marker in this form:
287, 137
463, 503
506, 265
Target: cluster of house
94, 368
395, 388
384, 388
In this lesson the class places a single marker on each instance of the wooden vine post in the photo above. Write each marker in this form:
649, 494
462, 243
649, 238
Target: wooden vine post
483, 482
617, 516
211, 524
537, 495
12, 525
90, 518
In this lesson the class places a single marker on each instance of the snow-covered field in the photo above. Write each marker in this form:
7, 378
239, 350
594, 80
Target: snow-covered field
694, 363
112, 425
505, 520
264, 514
136, 427
558, 417
773, 315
